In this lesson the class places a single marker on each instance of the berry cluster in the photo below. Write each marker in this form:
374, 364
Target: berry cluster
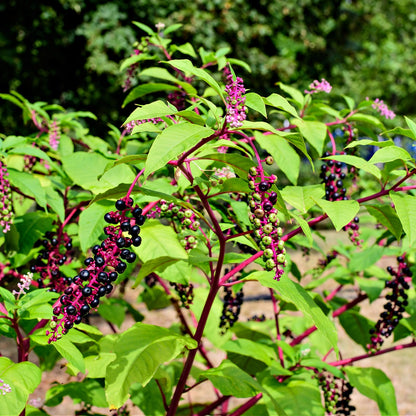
6, 211
395, 305
55, 253
185, 293
337, 394
178, 99
258, 318
263, 216
235, 102
231, 308
96, 280
353, 231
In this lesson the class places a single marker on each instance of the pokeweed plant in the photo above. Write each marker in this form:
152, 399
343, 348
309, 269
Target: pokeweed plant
205, 187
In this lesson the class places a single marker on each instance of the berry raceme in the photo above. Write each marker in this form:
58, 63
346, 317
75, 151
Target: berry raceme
56, 251
263, 216
185, 293
6, 212
96, 280
395, 305
231, 308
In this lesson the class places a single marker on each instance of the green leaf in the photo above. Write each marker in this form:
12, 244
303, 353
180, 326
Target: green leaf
155, 298
91, 223
75, 166
294, 293
153, 265
56, 202
240, 164
112, 310
302, 197
357, 162
388, 154
297, 397
153, 110
186, 49
139, 352
374, 384
365, 258
357, 327
340, 212
277, 101
153, 233
23, 378
305, 227
31, 227
372, 287
172, 142
29, 304
70, 352
162, 73
231, 380
96, 365
255, 102
412, 126
314, 132
89, 391
283, 154
386, 215
28, 184
405, 206
366, 119
145, 89
187, 67
294, 93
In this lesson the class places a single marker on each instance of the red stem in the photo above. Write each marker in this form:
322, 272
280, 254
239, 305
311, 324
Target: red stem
247, 405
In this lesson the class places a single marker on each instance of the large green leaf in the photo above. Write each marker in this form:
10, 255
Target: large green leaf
314, 132
173, 141
302, 197
366, 119
231, 380
139, 352
70, 352
283, 154
84, 168
276, 100
358, 163
256, 102
375, 385
388, 154
153, 110
357, 327
340, 212
294, 293
91, 223
386, 215
405, 206
365, 258
186, 66
28, 184
23, 378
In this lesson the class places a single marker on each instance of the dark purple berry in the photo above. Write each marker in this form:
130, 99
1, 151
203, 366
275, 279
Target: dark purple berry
264, 186
84, 309
84, 274
131, 258
125, 226
68, 324
99, 261
120, 205
120, 242
95, 302
109, 288
137, 241
137, 212
135, 230
121, 267
140, 220
113, 276
71, 310
101, 291
102, 277
88, 261
86, 291
95, 249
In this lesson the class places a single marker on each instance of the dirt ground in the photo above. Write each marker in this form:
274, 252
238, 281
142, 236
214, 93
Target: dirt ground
399, 366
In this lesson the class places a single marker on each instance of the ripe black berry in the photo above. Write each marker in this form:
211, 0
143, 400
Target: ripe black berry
86, 291
84, 274
137, 212
71, 310
113, 276
121, 267
137, 241
99, 261
125, 226
95, 302
101, 291
121, 205
84, 309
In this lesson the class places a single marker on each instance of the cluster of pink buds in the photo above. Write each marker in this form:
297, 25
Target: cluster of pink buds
23, 285
6, 211
383, 109
54, 135
263, 216
130, 125
185, 293
395, 305
336, 394
4, 387
101, 271
55, 253
235, 102
131, 72
178, 99
316, 86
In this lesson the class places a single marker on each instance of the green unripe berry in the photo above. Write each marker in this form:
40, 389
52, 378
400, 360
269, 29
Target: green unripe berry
267, 229
252, 203
279, 231
273, 217
257, 233
266, 240
257, 196
191, 239
269, 160
188, 213
253, 171
52, 324
164, 207
281, 258
270, 264
268, 253
180, 214
257, 223
251, 184
281, 245
186, 222
259, 213
175, 210
196, 224
213, 182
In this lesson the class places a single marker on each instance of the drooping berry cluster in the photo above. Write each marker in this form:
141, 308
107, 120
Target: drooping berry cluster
235, 101
263, 216
56, 252
395, 305
231, 309
185, 293
336, 393
258, 318
6, 210
96, 280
